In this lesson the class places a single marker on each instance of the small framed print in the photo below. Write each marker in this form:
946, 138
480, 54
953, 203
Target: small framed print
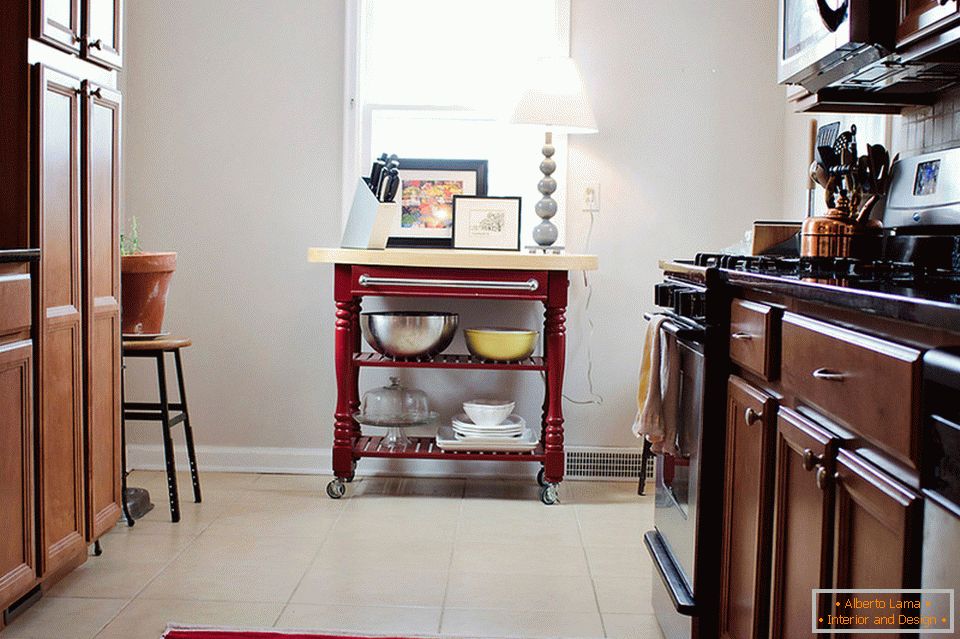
427, 189
486, 223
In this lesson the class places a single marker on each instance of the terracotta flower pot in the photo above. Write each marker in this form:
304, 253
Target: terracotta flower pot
145, 281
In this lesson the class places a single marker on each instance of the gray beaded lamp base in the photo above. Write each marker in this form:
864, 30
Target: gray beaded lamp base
545, 233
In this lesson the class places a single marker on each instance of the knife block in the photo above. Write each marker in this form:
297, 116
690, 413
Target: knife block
370, 220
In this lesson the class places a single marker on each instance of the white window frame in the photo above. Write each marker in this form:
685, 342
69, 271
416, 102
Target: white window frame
356, 122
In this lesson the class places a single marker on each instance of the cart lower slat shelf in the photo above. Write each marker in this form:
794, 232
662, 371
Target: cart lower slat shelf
426, 448
448, 361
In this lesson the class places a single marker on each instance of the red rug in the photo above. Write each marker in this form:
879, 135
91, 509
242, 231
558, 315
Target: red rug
203, 633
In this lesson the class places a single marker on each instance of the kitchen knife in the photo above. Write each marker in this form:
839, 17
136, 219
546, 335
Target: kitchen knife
378, 165
392, 168
381, 179
393, 183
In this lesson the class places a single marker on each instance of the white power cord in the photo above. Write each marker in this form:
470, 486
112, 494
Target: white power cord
597, 398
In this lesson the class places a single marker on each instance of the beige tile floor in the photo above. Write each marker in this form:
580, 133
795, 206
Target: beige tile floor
402, 556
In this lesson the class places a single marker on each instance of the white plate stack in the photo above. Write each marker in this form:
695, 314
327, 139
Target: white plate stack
465, 428
487, 424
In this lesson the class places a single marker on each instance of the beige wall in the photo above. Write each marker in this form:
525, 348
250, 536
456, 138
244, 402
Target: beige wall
233, 159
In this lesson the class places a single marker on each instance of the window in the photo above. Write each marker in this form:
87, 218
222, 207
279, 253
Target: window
438, 79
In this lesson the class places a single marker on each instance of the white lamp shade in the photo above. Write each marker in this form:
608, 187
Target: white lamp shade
555, 97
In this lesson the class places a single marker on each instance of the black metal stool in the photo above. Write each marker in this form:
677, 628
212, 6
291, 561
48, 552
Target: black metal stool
163, 411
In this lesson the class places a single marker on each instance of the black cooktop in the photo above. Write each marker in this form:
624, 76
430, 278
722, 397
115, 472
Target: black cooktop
936, 283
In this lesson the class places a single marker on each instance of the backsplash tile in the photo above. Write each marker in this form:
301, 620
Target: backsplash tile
932, 128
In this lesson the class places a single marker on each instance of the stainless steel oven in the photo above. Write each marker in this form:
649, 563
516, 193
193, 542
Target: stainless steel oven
821, 42
674, 544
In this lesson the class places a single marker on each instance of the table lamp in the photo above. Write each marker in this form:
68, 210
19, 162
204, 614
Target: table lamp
555, 99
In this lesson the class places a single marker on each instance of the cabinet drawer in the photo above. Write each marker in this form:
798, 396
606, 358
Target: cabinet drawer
866, 384
462, 283
14, 299
752, 337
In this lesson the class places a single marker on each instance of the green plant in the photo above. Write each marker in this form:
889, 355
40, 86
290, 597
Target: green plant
130, 242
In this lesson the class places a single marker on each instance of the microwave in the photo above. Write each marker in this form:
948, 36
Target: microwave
822, 42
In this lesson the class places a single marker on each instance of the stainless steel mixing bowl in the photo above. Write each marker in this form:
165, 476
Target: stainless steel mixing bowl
409, 333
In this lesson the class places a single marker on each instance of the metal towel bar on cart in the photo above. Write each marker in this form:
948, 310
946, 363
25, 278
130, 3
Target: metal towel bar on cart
369, 280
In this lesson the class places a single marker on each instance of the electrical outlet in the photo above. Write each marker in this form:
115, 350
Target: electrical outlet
591, 197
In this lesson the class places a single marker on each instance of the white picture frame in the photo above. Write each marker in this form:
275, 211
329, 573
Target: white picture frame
486, 223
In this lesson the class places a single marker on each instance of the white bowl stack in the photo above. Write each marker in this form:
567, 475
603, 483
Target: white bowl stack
488, 419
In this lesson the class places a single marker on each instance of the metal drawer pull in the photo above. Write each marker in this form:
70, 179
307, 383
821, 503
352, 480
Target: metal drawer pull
822, 478
810, 459
752, 417
828, 375
369, 280
743, 336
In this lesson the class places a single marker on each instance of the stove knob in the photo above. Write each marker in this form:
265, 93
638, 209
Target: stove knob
663, 294
689, 303
698, 305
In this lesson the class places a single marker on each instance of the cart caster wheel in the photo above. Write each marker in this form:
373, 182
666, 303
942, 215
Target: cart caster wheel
336, 489
349, 480
549, 494
540, 480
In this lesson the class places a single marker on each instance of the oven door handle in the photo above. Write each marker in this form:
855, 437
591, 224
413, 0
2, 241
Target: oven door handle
683, 331
670, 574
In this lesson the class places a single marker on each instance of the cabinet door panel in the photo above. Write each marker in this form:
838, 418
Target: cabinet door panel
103, 23
58, 23
101, 264
60, 443
17, 550
747, 512
802, 523
877, 528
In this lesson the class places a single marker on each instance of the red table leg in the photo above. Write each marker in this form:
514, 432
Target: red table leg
344, 425
355, 374
556, 344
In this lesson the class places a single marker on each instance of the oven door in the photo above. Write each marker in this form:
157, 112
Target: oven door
672, 544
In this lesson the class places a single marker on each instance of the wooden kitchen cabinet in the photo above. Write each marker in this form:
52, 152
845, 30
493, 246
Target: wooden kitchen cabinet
878, 528
57, 22
803, 522
61, 532
90, 28
745, 567
754, 333
101, 305
920, 18
18, 572
103, 32
836, 371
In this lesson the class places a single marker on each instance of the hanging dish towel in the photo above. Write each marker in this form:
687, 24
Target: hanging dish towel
658, 389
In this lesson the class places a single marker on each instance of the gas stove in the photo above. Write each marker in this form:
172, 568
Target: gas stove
935, 282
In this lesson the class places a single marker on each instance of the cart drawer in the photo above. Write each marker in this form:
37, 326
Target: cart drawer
14, 298
753, 336
869, 385
480, 283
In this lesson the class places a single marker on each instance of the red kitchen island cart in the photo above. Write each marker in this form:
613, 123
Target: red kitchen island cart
433, 273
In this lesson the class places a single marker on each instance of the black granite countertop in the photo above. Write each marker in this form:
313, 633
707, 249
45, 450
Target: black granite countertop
937, 306
19, 255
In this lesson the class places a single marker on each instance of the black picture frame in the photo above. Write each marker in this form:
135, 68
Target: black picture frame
457, 199
477, 167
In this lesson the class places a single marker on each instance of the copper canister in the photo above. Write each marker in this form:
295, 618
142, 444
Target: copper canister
827, 236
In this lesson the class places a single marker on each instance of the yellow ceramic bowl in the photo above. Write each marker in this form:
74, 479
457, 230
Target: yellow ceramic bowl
500, 344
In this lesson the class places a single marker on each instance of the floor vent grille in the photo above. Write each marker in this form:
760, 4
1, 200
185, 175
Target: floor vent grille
606, 463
